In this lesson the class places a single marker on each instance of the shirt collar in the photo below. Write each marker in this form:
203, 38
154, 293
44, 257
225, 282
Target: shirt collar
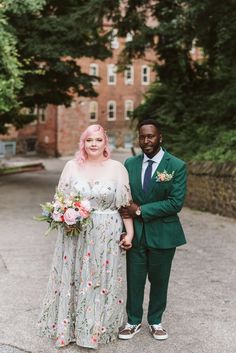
156, 159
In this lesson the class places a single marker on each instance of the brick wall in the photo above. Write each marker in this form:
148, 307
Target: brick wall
212, 187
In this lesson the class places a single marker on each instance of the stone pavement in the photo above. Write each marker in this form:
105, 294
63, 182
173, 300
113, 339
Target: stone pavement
201, 312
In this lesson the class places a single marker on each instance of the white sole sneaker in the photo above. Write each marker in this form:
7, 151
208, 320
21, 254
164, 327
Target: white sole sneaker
129, 332
158, 336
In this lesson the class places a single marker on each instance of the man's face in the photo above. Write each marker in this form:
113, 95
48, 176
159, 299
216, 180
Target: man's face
149, 140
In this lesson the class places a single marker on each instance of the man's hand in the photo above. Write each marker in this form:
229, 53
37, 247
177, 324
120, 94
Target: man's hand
129, 211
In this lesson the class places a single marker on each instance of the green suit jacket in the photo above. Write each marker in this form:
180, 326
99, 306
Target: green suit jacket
160, 204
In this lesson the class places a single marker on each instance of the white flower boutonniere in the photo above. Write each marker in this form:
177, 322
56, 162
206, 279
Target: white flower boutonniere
164, 176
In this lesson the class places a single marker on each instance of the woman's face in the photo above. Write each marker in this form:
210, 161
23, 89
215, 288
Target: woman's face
94, 145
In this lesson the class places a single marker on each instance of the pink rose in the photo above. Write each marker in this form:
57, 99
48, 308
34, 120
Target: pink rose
70, 216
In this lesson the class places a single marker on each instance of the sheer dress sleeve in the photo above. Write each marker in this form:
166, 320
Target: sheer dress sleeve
64, 184
123, 194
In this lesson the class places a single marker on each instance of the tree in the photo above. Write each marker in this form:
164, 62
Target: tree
194, 100
10, 67
49, 42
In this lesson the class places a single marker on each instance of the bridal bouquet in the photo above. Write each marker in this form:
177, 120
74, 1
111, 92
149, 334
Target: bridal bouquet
70, 212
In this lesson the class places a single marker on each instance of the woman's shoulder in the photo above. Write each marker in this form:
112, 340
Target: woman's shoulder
118, 168
116, 164
72, 163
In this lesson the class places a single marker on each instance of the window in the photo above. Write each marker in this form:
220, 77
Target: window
41, 114
38, 111
129, 75
129, 108
129, 37
145, 75
93, 71
93, 111
111, 74
114, 39
111, 110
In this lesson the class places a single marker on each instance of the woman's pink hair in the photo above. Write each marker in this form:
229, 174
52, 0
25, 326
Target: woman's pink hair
81, 155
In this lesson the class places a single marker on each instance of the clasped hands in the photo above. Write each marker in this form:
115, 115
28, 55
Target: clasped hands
127, 212
125, 241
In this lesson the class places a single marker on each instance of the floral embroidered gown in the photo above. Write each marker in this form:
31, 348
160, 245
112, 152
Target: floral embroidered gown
84, 302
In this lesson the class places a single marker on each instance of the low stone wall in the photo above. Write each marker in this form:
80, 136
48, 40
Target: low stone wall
212, 187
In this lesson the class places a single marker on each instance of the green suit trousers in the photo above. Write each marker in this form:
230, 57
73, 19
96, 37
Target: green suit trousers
156, 264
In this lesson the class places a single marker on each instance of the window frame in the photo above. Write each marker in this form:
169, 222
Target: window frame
145, 75
112, 67
96, 67
129, 81
95, 103
114, 110
127, 102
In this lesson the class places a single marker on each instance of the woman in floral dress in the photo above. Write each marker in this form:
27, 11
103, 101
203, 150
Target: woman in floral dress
84, 302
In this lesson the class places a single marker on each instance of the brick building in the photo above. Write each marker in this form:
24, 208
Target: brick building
57, 129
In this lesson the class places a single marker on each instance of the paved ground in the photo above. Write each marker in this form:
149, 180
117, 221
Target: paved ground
201, 314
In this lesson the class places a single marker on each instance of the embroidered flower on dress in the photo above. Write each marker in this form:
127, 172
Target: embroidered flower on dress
94, 339
164, 176
104, 291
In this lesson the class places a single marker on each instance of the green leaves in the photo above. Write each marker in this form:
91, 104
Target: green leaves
45, 40
193, 98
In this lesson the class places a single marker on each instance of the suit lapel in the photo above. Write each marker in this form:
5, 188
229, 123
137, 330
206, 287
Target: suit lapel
160, 168
137, 180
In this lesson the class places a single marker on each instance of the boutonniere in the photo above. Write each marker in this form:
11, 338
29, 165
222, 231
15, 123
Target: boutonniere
164, 176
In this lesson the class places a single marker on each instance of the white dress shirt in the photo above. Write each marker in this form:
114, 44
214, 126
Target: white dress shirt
156, 161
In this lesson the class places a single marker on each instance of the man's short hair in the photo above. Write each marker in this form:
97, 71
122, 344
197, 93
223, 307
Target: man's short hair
149, 122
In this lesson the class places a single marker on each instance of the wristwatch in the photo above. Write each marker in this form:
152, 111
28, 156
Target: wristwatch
138, 211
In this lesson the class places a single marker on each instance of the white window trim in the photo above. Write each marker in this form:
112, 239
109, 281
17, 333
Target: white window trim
41, 112
91, 67
114, 105
128, 103
113, 68
129, 37
114, 39
148, 75
95, 103
129, 81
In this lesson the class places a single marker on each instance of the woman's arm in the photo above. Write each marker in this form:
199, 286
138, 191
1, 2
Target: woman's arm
126, 242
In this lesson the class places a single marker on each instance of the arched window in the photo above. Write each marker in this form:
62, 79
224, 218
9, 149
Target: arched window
111, 74
111, 110
129, 37
93, 111
129, 108
145, 75
114, 39
129, 75
93, 71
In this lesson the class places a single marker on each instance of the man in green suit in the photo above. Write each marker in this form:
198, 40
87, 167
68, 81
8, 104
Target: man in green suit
158, 188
